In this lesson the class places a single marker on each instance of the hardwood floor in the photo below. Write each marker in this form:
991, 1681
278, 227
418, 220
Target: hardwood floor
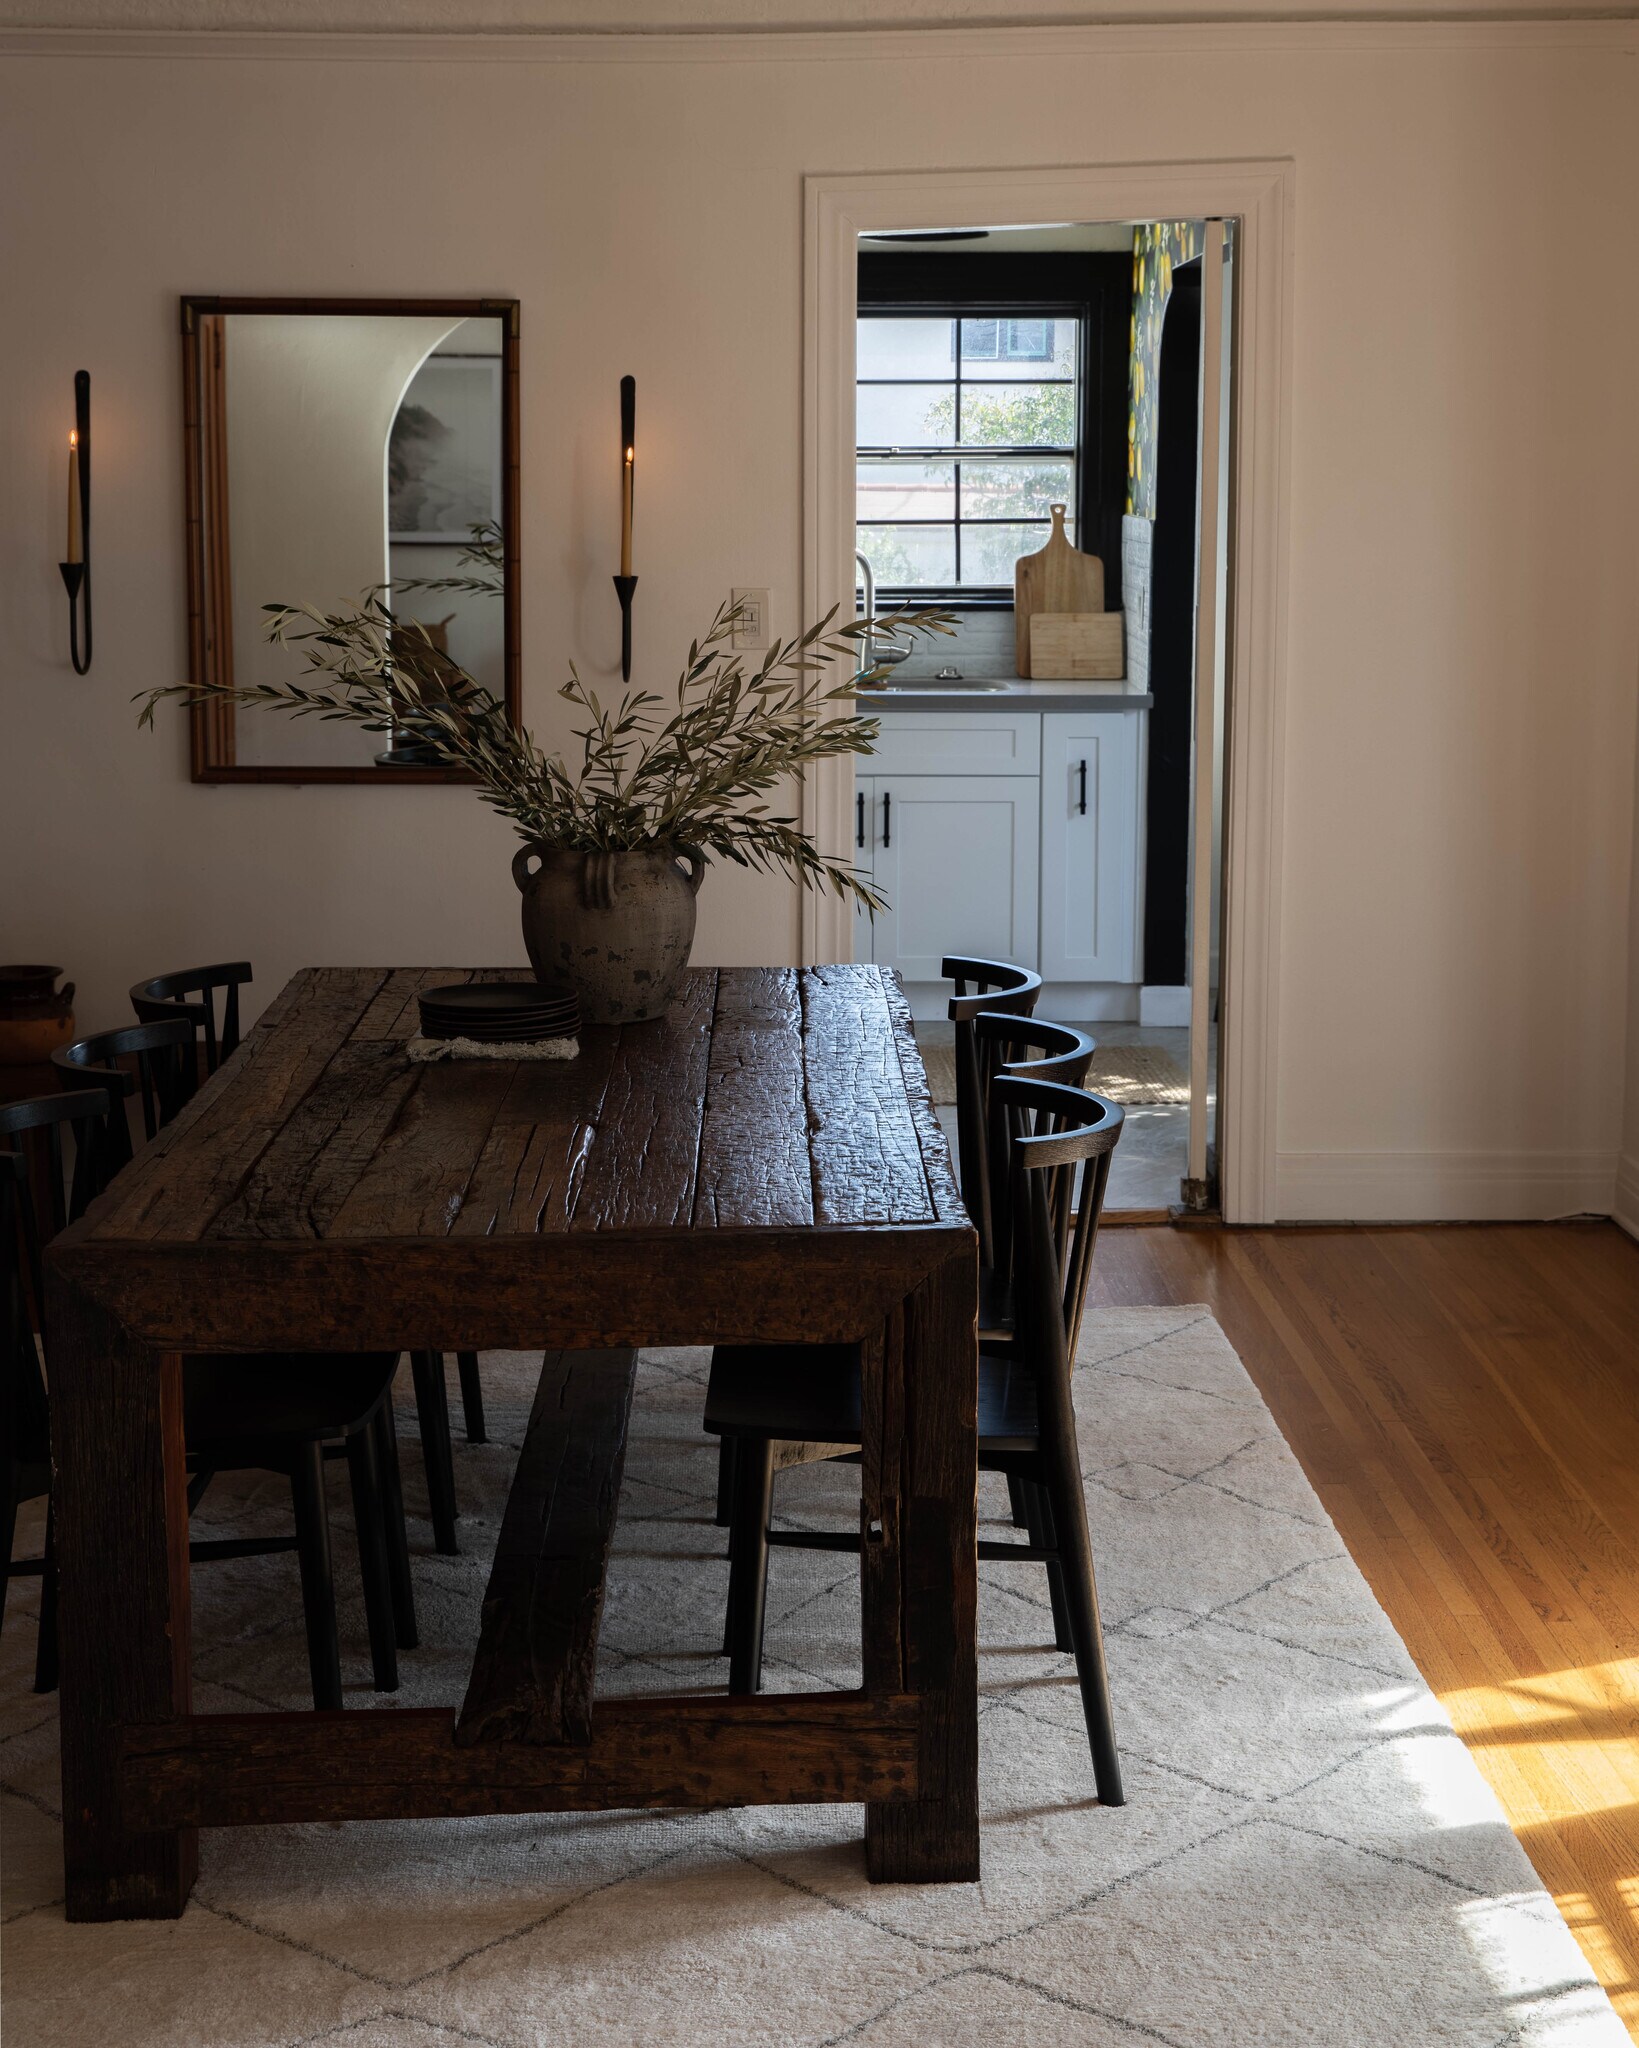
1465, 1400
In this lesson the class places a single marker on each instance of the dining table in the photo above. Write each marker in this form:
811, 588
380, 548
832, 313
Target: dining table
760, 1165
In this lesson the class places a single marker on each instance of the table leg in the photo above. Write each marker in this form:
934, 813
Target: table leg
920, 1577
120, 1502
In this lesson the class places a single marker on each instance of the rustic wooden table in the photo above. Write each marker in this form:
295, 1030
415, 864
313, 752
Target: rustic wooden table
763, 1164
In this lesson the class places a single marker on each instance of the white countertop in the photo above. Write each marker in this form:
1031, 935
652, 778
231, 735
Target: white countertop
1015, 693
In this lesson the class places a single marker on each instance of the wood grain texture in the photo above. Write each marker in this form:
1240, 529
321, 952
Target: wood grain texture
120, 1489
1056, 578
175, 1188
693, 1750
1466, 1403
863, 1143
754, 1165
537, 1652
936, 1599
641, 1169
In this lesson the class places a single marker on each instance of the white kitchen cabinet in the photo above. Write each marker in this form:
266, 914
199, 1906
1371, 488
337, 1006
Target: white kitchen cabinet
1091, 784
958, 858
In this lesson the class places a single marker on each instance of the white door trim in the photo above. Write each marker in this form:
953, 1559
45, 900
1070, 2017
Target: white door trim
1260, 196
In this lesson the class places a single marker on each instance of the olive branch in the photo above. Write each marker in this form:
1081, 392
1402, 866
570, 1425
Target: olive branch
699, 776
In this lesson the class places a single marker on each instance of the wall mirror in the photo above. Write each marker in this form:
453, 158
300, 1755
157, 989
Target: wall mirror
334, 447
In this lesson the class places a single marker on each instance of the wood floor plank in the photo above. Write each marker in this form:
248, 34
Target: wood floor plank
1466, 1403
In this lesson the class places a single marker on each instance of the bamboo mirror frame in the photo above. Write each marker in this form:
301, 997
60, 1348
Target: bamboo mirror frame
214, 746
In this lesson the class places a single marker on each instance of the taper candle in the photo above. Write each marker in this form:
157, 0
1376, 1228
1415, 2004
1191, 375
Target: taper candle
628, 461
74, 496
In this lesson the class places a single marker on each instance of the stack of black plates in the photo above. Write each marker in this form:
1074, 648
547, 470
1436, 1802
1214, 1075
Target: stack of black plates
499, 1012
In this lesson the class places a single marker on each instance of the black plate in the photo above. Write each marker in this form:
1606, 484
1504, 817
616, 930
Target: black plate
511, 1034
480, 999
454, 1021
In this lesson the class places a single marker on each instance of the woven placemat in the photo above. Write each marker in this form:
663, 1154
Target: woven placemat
1136, 1075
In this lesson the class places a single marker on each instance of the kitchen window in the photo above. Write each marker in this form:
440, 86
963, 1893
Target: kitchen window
968, 429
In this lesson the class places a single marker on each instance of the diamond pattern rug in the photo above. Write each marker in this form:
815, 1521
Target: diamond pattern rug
1308, 1854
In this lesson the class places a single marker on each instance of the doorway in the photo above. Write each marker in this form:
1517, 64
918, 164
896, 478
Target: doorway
839, 209
1038, 393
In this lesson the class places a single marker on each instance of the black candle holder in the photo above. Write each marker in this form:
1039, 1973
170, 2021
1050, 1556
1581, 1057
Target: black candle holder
77, 575
624, 587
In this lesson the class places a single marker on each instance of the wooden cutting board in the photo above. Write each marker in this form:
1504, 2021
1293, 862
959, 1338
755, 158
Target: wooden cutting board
1058, 578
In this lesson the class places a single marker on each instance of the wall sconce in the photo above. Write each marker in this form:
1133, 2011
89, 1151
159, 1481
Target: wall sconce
76, 570
626, 582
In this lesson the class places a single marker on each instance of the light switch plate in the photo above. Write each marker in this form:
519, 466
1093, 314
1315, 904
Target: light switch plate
751, 628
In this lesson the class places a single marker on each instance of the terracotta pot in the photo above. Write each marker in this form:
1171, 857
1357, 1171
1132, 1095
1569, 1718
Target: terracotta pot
36, 1017
614, 927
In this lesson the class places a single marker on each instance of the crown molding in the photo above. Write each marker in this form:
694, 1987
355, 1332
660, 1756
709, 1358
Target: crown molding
1177, 34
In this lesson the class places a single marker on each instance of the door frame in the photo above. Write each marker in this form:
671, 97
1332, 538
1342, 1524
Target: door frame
1259, 195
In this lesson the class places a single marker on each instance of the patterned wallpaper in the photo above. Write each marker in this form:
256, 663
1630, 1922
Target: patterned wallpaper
1157, 246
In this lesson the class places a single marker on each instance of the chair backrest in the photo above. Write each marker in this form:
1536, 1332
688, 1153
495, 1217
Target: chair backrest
33, 1130
32, 1158
166, 1057
1061, 1136
997, 985
163, 997
1032, 1048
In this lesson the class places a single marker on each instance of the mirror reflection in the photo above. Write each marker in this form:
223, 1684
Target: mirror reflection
341, 453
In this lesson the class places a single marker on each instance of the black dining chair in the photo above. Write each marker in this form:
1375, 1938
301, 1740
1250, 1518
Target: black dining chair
275, 1412
192, 993
999, 988
765, 1395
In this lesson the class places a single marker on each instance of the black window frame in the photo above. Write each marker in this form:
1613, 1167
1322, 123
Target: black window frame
1094, 289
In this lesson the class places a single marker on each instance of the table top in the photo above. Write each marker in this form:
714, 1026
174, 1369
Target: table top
767, 1100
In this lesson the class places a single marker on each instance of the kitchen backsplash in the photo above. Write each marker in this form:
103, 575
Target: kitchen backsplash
981, 645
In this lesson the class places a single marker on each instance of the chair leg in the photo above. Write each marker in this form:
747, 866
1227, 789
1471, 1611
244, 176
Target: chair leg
318, 1584
8, 1529
1068, 1508
363, 1472
1043, 1531
1015, 1499
748, 1567
472, 1397
394, 1533
433, 1411
45, 1647
725, 1480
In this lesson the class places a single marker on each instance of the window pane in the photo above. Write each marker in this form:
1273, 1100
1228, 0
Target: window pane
907, 348
910, 554
907, 415
910, 490
989, 552
1024, 486
1018, 415
1021, 347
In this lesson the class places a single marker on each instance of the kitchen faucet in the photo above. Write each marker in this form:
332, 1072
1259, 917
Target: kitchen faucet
870, 655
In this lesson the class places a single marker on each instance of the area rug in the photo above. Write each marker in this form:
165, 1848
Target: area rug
1308, 1855
1135, 1075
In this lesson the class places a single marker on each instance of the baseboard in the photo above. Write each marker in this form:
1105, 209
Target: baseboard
1069, 1002
1626, 1207
1447, 1187
1163, 1005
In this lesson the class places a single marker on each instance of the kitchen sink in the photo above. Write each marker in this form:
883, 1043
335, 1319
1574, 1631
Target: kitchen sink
938, 686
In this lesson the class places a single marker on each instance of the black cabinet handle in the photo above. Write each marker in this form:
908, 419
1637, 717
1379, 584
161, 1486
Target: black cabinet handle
887, 813
1083, 773
859, 817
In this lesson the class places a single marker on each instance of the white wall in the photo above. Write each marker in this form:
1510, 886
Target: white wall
1465, 495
